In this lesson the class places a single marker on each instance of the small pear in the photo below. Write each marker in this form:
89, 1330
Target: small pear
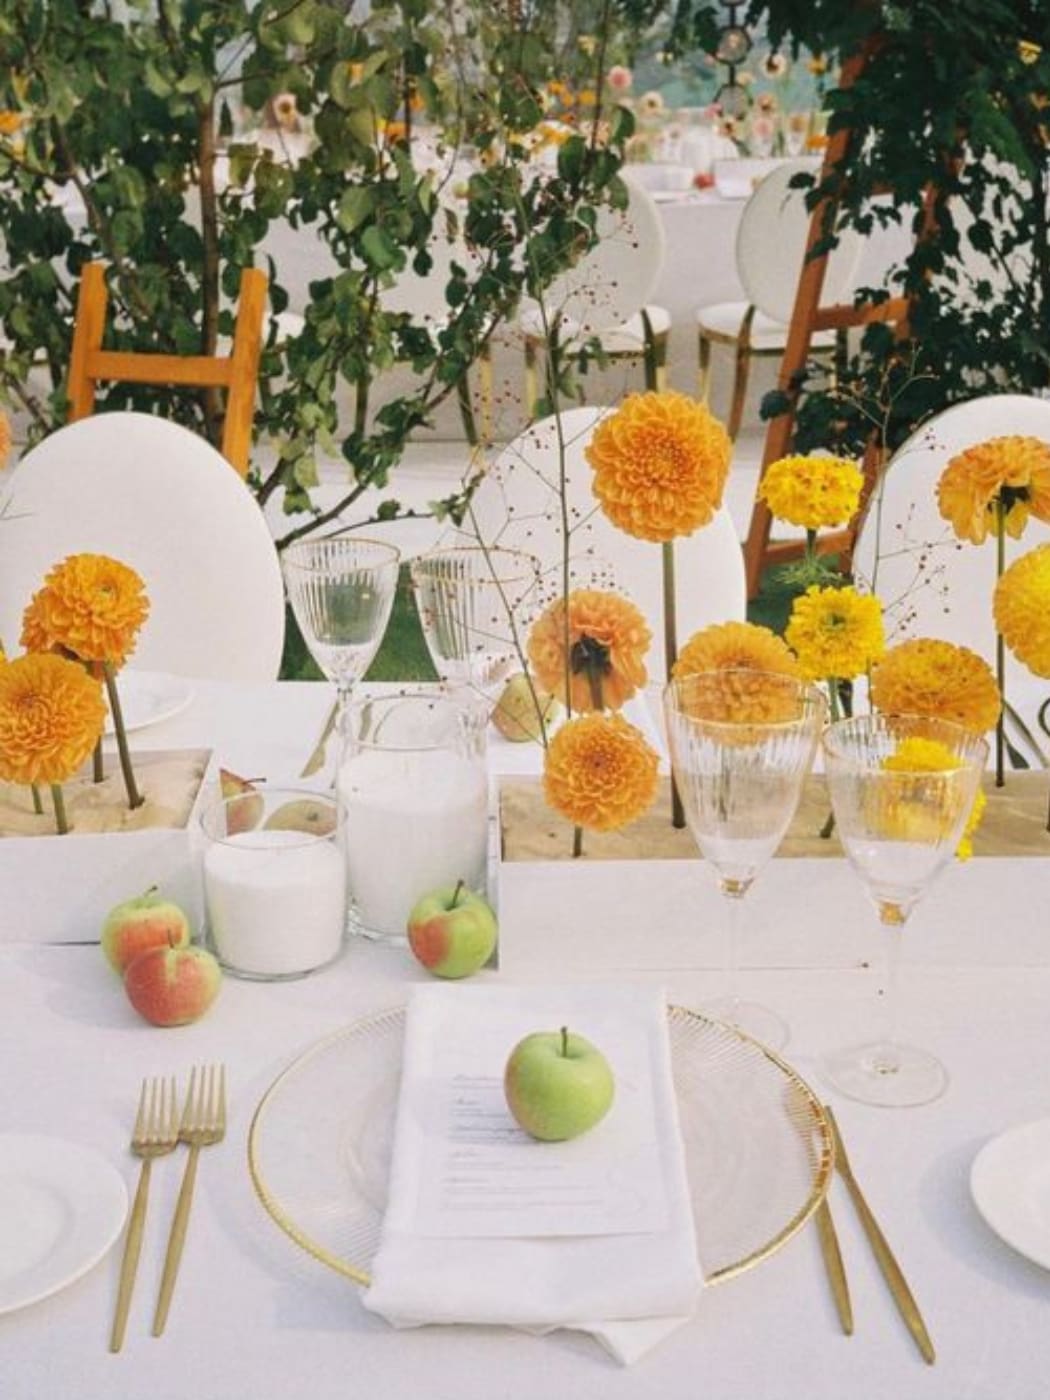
244, 812
516, 715
304, 814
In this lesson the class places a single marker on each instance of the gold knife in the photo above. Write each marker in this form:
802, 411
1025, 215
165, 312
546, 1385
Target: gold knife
316, 759
891, 1270
829, 1247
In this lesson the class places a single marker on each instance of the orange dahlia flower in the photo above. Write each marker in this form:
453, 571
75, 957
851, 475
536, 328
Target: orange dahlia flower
599, 772
90, 606
607, 637
737, 646
51, 717
1013, 472
940, 679
1022, 609
5, 438
660, 465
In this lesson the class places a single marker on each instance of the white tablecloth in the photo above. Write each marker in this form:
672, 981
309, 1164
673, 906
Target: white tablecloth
255, 1317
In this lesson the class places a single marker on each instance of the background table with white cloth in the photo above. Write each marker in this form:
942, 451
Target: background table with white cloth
256, 1317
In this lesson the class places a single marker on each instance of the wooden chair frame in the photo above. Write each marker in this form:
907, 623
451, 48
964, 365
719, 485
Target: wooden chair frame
237, 372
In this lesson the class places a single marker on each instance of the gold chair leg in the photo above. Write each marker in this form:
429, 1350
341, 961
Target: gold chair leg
531, 382
741, 372
703, 385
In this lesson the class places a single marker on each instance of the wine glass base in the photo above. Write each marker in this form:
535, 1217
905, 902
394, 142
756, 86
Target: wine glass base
898, 1076
755, 1020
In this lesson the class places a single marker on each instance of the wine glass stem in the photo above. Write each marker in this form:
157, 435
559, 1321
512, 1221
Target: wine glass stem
887, 1053
732, 954
343, 696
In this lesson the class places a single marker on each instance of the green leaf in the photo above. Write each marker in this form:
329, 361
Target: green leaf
357, 204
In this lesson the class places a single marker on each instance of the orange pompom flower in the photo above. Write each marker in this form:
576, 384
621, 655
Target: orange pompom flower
1022, 609
5, 438
1012, 472
736, 646
599, 772
51, 717
90, 607
930, 677
607, 638
660, 465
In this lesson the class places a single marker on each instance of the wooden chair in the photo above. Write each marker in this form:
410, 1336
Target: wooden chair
237, 372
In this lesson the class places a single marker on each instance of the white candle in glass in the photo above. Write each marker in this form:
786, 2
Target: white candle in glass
415, 820
276, 901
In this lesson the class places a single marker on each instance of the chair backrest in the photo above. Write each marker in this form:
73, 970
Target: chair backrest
518, 506
618, 276
237, 372
771, 244
930, 583
162, 500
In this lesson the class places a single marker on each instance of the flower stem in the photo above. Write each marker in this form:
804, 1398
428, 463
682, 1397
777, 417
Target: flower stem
577, 842
1000, 652
60, 809
98, 772
38, 806
134, 796
833, 706
670, 657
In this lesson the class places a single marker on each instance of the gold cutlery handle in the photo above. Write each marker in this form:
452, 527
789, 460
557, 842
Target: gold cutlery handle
884, 1256
836, 1272
176, 1240
130, 1263
317, 758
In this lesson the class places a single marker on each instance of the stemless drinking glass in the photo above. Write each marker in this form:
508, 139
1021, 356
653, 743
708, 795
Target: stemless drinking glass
413, 791
474, 604
341, 589
741, 745
899, 815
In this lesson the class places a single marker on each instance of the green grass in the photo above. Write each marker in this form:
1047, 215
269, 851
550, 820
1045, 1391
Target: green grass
404, 657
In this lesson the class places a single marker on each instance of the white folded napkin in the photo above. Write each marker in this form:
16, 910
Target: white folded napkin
506, 1252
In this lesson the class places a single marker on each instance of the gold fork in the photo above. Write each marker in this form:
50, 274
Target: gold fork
203, 1123
155, 1133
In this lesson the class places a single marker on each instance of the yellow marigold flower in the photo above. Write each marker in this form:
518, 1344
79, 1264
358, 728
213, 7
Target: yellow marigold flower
1022, 609
599, 772
660, 465
1013, 471
51, 716
90, 606
835, 632
737, 646
815, 492
606, 635
5, 438
940, 679
919, 817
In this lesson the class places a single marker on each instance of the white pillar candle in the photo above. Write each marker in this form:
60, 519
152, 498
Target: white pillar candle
276, 901
415, 820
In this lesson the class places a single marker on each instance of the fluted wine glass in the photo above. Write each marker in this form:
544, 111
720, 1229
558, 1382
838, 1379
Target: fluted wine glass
741, 745
474, 605
341, 588
902, 790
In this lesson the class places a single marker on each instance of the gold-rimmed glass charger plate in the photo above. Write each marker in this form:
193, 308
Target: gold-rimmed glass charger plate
757, 1145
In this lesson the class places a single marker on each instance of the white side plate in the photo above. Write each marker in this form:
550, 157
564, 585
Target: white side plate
61, 1208
148, 697
1010, 1182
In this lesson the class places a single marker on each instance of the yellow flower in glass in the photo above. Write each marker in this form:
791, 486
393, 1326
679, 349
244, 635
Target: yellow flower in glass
836, 633
736, 646
660, 465
607, 638
599, 772
916, 757
1022, 609
1010, 475
939, 679
814, 492
91, 608
51, 717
